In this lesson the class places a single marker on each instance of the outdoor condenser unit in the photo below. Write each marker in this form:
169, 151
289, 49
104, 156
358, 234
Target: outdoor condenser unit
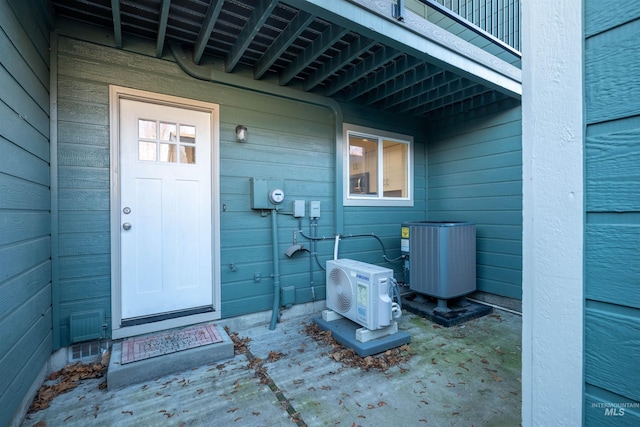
360, 292
440, 258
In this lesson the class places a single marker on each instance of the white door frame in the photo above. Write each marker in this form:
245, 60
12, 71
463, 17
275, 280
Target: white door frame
116, 93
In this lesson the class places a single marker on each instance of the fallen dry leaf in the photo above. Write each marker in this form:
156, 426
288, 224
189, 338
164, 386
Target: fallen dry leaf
273, 356
239, 344
65, 379
348, 357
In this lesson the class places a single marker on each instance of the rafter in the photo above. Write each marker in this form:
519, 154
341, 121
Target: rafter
117, 23
162, 26
282, 43
205, 30
421, 39
388, 73
252, 27
354, 50
320, 44
368, 65
434, 95
412, 78
475, 103
421, 89
469, 93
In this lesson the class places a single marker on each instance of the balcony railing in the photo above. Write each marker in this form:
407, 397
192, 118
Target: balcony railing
500, 18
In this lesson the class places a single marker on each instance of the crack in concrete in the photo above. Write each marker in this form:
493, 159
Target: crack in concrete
261, 372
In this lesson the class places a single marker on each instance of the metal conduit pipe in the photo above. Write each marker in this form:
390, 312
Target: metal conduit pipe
210, 75
313, 230
275, 311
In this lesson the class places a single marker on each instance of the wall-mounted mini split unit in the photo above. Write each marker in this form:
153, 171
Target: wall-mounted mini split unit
360, 292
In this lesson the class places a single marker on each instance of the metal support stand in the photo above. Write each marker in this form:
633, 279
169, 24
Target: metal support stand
442, 307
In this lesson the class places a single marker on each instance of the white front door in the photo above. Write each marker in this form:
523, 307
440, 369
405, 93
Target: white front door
165, 211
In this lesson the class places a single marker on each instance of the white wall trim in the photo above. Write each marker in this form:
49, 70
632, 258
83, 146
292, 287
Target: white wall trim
348, 200
553, 213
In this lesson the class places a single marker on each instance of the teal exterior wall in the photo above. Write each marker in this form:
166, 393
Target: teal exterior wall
292, 141
25, 203
612, 226
55, 233
385, 221
289, 140
475, 174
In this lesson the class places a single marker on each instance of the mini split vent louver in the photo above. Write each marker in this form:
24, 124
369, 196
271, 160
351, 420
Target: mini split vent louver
341, 290
360, 292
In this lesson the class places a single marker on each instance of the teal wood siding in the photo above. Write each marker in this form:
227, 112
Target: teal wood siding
475, 174
25, 221
290, 141
384, 222
612, 232
83, 192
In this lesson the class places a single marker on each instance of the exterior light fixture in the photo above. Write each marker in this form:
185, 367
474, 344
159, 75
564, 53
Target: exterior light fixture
241, 133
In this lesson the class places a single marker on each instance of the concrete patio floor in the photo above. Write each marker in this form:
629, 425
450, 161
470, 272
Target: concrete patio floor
465, 375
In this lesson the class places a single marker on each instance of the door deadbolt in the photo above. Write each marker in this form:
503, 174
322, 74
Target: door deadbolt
127, 210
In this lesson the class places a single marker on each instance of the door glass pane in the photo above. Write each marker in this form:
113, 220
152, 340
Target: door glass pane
363, 166
395, 169
168, 131
187, 154
168, 153
147, 129
187, 134
147, 151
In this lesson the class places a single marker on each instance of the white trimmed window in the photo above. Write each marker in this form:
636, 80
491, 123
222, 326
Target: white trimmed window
377, 167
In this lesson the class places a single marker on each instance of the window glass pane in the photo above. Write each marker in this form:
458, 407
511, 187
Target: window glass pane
378, 167
147, 151
168, 132
146, 129
187, 154
395, 169
363, 165
168, 153
187, 134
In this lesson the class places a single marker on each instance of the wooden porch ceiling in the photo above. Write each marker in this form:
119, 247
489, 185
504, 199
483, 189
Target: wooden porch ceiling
354, 51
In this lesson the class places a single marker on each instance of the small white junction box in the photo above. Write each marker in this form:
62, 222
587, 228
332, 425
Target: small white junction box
314, 209
298, 208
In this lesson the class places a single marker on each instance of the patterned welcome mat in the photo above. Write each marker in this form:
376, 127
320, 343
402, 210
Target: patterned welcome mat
145, 347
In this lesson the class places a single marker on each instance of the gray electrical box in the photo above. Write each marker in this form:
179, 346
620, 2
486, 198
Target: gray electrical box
314, 209
298, 208
260, 190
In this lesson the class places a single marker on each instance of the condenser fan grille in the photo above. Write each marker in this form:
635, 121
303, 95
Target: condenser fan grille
342, 296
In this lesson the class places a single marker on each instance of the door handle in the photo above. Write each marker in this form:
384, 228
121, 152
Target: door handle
126, 226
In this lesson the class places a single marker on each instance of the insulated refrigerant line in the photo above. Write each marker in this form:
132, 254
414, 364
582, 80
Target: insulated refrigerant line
495, 306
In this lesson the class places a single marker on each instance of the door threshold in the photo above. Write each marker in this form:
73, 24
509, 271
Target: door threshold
134, 321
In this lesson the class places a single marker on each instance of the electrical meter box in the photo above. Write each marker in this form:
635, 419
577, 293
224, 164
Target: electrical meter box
262, 193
